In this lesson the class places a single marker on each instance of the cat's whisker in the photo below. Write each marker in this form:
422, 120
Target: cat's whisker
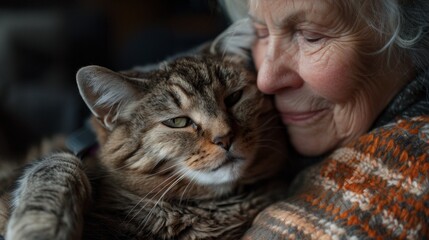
164, 170
177, 174
168, 179
269, 121
151, 191
145, 197
191, 183
143, 223
112, 171
183, 175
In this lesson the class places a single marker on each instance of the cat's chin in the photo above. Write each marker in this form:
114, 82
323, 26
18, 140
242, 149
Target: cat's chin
228, 172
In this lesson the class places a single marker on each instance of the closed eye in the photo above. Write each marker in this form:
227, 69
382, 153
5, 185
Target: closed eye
313, 40
178, 122
233, 98
312, 37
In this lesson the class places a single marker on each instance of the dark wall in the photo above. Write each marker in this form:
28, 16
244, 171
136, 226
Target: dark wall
44, 43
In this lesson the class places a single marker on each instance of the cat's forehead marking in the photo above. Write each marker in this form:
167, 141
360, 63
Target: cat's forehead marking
193, 92
200, 85
180, 96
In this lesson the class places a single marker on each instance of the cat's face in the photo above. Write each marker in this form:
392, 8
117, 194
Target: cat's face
198, 123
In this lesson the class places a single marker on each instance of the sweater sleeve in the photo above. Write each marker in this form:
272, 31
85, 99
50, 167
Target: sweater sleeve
374, 188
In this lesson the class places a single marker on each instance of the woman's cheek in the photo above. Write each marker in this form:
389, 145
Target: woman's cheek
329, 74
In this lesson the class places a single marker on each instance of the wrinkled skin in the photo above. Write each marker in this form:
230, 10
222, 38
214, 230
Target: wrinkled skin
318, 59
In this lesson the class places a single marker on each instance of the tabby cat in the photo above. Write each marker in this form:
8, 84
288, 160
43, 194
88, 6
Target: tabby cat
186, 151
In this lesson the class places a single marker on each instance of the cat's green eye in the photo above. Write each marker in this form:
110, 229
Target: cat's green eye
233, 98
179, 122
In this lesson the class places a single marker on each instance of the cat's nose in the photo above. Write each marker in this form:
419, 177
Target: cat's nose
223, 141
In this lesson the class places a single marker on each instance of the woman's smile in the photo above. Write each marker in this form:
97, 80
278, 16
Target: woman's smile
302, 118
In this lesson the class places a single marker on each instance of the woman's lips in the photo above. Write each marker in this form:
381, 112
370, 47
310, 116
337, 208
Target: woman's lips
301, 117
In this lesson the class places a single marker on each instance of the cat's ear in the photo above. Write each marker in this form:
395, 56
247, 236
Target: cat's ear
105, 92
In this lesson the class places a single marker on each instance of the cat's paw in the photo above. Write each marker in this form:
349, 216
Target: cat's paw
50, 199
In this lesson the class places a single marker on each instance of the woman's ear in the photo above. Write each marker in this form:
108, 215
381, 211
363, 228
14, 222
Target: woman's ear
105, 92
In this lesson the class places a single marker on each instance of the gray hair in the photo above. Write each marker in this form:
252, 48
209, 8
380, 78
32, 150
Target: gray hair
403, 24
235, 9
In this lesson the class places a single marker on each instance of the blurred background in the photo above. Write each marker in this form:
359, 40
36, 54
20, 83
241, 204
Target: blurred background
44, 43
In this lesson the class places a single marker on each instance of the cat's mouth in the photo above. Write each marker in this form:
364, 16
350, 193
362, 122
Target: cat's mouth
229, 160
223, 171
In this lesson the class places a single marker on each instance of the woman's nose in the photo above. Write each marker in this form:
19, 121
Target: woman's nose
279, 69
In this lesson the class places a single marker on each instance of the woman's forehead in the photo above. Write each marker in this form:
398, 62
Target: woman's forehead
281, 12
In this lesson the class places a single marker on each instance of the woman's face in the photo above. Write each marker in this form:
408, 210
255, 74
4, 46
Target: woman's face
317, 59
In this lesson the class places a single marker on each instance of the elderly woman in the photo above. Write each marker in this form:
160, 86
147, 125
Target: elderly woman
351, 82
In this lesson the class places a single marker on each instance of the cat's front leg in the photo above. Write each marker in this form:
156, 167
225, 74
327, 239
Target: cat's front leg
50, 200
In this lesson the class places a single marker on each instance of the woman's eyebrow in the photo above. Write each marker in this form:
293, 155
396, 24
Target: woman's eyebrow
287, 20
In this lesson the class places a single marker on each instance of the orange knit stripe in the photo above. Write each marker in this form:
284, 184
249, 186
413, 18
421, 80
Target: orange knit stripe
399, 201
345, 215
420, 163
293, 219
372, 182
356, 222
333, 169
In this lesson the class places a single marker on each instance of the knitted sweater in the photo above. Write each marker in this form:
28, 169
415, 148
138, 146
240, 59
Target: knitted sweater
376, 187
